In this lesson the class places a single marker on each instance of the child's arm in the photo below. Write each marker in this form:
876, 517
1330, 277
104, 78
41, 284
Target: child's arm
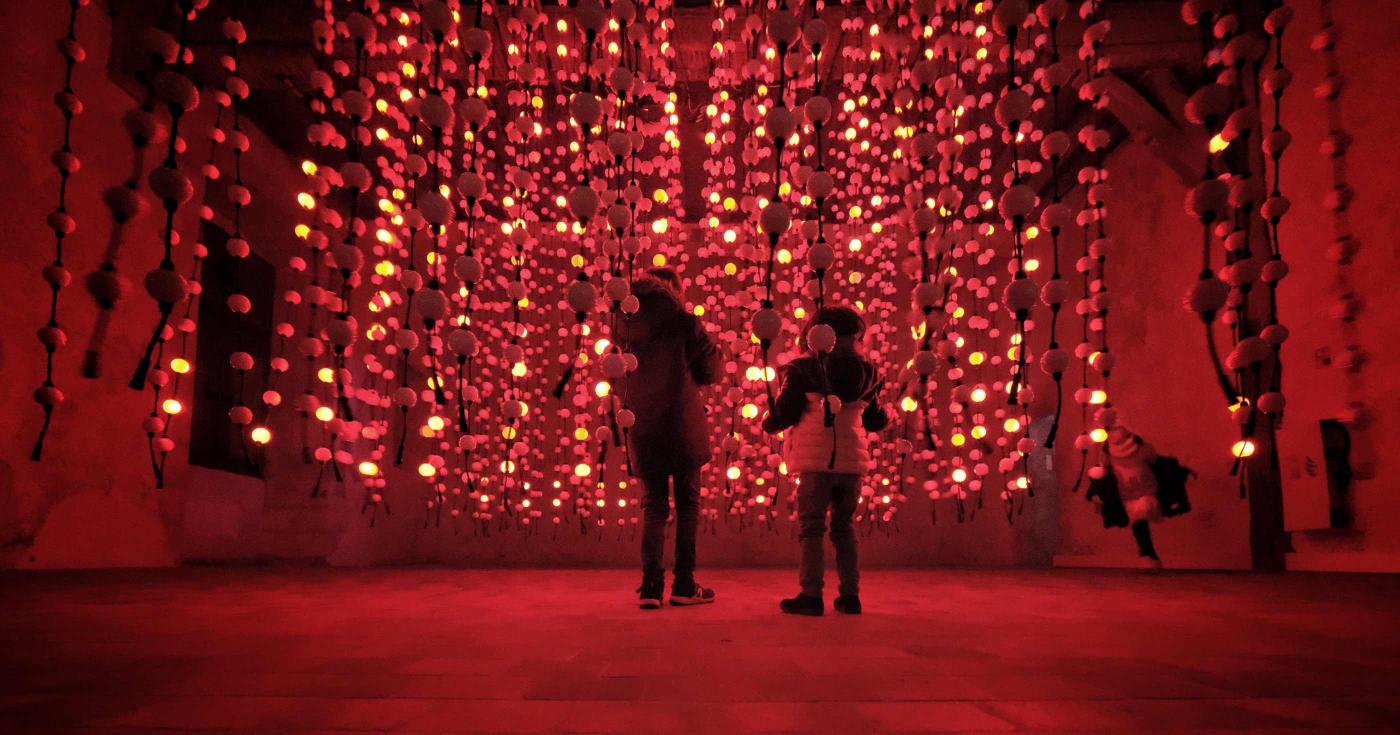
788, 408
874, 417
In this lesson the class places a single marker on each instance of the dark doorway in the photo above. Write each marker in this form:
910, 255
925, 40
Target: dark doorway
215, 441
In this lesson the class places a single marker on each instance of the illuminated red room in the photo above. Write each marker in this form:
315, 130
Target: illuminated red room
699, 366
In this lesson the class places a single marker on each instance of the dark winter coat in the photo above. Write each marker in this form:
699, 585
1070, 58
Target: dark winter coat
674, 358
1171, 477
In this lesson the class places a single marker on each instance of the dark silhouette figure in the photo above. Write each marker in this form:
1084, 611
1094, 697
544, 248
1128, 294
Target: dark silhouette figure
827, 403
1139, 488
669, 442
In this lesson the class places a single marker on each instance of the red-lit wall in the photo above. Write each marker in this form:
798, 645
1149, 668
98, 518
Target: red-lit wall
1370, 112
1163, 385
92, 502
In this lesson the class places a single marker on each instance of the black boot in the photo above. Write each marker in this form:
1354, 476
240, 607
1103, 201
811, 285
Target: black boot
849, 604
802, 605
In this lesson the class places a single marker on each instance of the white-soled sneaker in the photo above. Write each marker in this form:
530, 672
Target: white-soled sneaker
649, 598
699, 596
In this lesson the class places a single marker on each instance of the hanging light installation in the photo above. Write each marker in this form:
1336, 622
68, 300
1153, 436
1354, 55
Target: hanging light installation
1237, 208
490, 180
52, 335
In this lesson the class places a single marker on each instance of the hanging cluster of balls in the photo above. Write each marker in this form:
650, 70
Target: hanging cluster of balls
1344, 244
492, 179
923, 144
52, 335
1238, 205
470, 195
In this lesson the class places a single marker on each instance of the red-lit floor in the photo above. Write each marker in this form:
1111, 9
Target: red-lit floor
432, 650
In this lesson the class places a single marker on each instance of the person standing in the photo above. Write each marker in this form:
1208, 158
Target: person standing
829, 399
669, 443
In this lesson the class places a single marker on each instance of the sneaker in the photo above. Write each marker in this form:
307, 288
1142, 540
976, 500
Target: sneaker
696, 595
649, 596
1149, 563
848, 604
802, 605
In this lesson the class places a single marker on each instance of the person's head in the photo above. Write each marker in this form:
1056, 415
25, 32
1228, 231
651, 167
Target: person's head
667, 276
1122, 443
846, 322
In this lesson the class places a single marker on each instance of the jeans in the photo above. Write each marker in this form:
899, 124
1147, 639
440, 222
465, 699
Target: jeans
818, 492
1142, 533
655, 510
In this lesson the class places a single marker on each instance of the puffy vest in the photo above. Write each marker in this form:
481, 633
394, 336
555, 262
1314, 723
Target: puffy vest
808, 445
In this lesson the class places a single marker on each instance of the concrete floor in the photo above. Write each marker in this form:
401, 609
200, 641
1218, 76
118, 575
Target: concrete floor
435, 650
